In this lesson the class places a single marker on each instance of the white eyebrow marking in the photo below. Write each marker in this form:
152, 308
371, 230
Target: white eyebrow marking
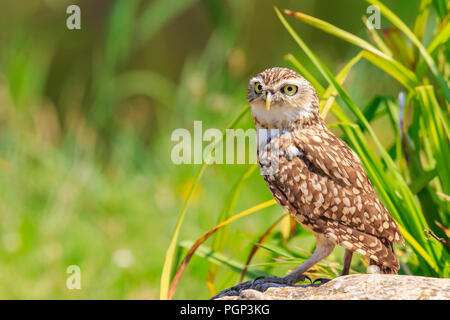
255, 79
294, 82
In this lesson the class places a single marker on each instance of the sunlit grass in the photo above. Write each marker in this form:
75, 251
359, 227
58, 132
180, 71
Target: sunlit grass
395, 175
85, 121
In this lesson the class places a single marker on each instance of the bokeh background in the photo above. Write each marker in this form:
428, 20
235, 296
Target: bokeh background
86, 118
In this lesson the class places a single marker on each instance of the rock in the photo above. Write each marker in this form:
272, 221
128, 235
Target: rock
355, 286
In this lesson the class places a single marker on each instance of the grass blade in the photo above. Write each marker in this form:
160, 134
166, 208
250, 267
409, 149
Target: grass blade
205, 236
221, 259
437, 139
402, 50
441, 38
404, 76
441, 7
420, 182
331, 92
421, 19
393, 67
331, 29
373, 34
410, 35
423, 253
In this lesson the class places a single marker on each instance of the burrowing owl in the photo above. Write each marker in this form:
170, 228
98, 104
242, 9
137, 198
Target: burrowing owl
315, 176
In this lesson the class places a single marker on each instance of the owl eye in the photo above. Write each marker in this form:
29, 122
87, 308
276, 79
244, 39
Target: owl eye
258, 87
289, 89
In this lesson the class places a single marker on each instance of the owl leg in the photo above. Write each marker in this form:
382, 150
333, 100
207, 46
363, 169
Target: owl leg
324, 247
347, 262
345, 271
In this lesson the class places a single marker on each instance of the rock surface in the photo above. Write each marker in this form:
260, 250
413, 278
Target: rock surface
356, 286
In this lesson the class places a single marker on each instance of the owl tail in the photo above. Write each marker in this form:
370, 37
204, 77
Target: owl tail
378, 250
386, 270
383, 269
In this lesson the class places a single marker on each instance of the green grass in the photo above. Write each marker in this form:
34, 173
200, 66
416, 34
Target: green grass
86, 118
392, 169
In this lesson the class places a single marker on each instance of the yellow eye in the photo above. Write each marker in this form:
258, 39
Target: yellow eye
290, 90
258, 87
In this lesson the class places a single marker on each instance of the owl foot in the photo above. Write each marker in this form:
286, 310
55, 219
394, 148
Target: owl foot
374, 269
321, 280
288, 280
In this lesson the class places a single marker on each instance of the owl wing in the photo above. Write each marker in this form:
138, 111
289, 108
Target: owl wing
351, 190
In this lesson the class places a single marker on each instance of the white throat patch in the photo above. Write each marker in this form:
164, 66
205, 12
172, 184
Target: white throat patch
278, 117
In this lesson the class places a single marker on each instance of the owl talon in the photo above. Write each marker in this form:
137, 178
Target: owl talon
285, 280
304, 277
321, 280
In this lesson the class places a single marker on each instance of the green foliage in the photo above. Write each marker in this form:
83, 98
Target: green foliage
86, 118
401, 176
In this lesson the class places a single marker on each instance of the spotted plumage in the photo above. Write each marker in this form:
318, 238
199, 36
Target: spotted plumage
315, 176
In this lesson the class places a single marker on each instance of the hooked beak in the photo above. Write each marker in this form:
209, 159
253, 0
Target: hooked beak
268, 100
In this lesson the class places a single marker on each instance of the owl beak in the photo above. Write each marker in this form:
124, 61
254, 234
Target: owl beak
268, 100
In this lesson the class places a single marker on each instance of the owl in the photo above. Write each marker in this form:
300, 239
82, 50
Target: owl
316, 177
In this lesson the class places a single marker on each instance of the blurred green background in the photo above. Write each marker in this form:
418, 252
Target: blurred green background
86, 118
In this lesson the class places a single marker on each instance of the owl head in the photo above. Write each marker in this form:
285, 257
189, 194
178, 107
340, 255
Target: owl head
281, 98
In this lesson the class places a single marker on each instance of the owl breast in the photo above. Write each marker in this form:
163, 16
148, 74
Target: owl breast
288, 177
